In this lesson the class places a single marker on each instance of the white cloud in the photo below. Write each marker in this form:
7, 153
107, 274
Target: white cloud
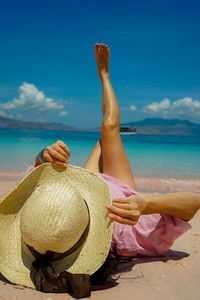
183, 108
133, 108
187, 107
30, 98
63, 113
156, 108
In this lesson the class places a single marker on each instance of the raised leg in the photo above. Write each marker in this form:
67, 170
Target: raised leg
95, 162
111, 151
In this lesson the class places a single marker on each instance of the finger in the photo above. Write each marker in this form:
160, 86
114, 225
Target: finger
64, 147
48, 158
122, 205
121, 220
60, 150
123, 212
56, 155
59, 164
124, 200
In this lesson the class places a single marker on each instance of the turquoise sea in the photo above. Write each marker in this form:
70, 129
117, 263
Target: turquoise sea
156, 156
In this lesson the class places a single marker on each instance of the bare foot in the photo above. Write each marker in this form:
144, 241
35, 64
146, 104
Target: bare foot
102, 54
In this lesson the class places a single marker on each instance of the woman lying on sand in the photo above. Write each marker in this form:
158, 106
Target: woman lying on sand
145, 224
109, 159
62, 215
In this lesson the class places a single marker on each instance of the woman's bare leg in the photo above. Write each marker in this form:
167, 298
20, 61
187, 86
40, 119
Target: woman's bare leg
95, 162
111, 150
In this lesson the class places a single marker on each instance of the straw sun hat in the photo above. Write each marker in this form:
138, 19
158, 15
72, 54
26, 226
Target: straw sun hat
52, 209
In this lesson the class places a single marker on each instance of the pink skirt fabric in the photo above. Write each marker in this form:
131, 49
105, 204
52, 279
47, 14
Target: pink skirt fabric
152, 235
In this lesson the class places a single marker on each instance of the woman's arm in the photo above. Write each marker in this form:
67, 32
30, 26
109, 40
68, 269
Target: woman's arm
57, 153
179, 205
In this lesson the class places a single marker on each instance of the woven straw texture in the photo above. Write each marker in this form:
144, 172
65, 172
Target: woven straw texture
39, 211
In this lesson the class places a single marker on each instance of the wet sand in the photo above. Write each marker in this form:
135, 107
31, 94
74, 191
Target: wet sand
8, 180
174, 275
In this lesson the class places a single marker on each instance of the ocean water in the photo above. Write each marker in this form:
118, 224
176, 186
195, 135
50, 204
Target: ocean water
151, 156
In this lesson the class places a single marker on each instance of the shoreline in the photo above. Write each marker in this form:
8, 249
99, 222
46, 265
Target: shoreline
9, 179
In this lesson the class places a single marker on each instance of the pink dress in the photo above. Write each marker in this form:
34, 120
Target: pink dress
152, 235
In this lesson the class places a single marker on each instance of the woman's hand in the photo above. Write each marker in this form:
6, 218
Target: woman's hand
127, 210
57, 154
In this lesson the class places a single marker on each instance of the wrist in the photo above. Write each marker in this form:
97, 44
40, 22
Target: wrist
146, 210
41, 157
144, 203
152, 204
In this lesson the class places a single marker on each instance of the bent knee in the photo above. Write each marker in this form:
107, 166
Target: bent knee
110, 124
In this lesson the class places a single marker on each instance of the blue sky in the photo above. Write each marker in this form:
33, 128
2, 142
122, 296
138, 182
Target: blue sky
48, 71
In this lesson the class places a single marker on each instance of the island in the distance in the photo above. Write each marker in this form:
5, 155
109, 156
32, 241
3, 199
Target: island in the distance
150, 126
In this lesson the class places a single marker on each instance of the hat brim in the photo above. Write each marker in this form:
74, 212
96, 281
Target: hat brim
16, 258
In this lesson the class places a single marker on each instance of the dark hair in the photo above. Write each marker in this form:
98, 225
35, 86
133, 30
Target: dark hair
102, 278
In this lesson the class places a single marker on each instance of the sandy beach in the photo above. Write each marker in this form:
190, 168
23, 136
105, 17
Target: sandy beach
174, 275
8, 180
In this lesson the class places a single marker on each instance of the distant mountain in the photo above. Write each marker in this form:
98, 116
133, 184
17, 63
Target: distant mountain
157, 126
159, 121
17, 124
149, 126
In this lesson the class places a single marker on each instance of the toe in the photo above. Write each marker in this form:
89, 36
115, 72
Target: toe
101, 47
97, 49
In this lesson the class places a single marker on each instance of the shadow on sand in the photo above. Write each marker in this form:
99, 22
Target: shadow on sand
127, 264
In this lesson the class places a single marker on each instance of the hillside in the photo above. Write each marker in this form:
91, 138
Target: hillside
151, 126
17, 124
157, 126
